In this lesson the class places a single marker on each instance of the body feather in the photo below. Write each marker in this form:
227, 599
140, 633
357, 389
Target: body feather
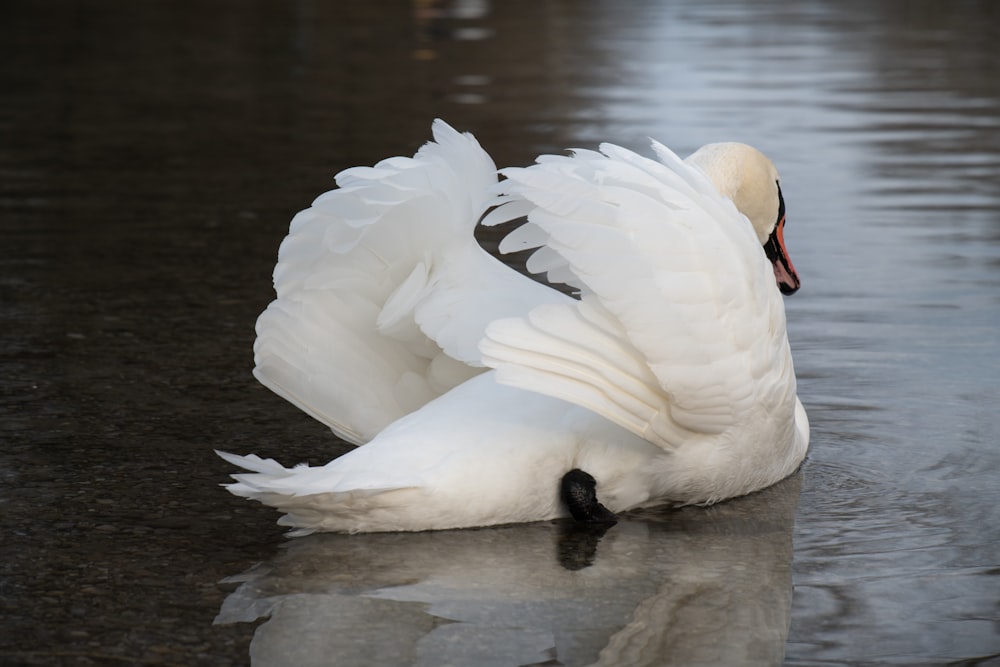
669, 379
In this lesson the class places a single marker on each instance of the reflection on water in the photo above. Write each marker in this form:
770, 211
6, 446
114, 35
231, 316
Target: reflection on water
679, 588
153, 154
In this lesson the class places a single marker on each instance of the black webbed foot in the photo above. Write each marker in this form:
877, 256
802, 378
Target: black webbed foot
579, 491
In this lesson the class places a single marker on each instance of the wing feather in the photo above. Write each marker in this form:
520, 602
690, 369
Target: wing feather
678, 318
382, 291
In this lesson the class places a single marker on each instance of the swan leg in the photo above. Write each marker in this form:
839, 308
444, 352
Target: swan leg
579, 491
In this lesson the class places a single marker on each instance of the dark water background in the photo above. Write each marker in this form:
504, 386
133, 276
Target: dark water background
151, 155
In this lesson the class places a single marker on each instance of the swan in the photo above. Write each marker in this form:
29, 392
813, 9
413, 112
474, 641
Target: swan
479, 396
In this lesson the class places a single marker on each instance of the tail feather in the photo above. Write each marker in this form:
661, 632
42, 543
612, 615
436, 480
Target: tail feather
256, 464
331, 509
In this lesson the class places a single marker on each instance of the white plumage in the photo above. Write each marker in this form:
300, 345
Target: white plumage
669, 379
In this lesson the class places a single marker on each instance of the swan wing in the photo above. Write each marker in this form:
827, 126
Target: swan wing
382, 291
679, 330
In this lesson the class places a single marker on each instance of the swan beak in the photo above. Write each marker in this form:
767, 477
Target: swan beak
784, 270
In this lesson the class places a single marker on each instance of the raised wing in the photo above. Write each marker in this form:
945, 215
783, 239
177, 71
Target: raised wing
680, 328
382, 291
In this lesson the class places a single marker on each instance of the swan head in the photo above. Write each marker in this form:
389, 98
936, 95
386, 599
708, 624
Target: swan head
747, 177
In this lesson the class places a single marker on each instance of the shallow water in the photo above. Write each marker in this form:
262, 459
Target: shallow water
152, 155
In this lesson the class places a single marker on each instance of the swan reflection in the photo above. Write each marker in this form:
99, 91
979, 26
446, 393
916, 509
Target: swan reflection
688, 587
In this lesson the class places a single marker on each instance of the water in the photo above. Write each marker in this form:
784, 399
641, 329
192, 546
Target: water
152, 155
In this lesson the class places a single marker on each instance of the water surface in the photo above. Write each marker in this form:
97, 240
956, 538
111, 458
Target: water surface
152, 155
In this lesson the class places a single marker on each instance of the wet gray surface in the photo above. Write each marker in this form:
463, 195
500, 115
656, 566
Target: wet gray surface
663, 588
151, 157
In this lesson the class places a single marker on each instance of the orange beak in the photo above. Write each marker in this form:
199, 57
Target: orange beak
784, 271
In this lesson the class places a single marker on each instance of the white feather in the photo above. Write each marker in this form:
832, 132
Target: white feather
669, 259
383, 293
669, 380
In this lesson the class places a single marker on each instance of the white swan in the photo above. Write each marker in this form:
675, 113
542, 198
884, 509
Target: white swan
669, 380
